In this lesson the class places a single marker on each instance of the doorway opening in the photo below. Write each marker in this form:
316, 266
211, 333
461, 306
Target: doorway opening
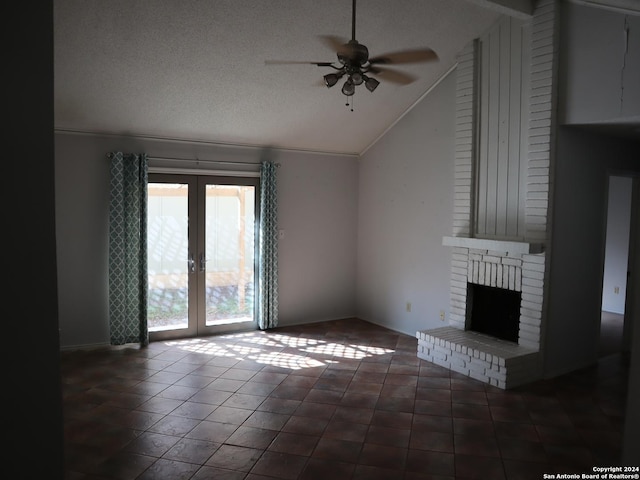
616, 267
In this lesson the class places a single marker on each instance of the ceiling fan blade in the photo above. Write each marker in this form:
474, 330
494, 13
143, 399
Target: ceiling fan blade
393, 76
336, 44
406, 56
294, 62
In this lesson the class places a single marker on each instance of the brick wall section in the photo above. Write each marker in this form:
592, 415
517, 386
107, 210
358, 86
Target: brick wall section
542, 117
458, 288
466, 86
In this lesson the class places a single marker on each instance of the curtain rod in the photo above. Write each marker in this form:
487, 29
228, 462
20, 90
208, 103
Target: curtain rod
198, 160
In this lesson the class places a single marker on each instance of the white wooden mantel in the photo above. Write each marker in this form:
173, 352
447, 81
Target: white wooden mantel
513, 247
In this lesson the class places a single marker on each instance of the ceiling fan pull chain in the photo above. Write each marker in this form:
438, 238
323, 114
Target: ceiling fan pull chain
347, 104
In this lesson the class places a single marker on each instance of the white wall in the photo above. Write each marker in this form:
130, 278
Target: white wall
405, 207
602, 73
631, 443
617, 244
317, 197
577, 248
318, 211
596, 87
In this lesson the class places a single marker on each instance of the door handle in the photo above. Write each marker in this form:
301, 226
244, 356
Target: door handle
191, 264
203, 262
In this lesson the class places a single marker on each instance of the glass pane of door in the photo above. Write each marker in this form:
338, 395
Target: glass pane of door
168, 257
229, 281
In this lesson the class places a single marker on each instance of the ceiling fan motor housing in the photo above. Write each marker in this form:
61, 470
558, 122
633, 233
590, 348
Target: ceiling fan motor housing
353, 53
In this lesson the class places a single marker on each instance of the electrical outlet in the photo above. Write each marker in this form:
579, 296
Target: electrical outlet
408, 306
616, 290
442, 315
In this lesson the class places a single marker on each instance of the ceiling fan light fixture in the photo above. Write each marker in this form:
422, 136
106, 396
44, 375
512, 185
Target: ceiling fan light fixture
370, 83
348, 88
331, 79
357, 78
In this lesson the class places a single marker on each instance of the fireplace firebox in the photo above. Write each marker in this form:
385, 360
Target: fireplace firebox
493, 311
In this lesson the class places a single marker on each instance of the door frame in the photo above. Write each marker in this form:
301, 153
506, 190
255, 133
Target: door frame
196, 233
202, 328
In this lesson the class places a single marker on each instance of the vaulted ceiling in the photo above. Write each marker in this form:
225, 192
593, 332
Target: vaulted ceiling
208, 70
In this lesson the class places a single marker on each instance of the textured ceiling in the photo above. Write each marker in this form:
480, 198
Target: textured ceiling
195, 70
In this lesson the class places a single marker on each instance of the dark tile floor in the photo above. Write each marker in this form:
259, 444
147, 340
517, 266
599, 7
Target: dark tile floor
334, 400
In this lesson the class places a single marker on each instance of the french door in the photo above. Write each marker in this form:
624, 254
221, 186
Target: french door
202, 234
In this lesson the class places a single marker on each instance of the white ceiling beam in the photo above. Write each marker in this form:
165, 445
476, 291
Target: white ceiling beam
522, 9
622, 6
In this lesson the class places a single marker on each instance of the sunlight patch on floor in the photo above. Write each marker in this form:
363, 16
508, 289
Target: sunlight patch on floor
286, 360
355, 352
250, 346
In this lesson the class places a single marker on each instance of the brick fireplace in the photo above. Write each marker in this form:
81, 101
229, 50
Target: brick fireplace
512, 266
501, 196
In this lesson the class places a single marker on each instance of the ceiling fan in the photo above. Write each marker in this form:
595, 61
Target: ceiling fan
355, 64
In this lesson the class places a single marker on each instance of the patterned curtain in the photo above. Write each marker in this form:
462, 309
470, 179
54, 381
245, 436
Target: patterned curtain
128, 249
268, 274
